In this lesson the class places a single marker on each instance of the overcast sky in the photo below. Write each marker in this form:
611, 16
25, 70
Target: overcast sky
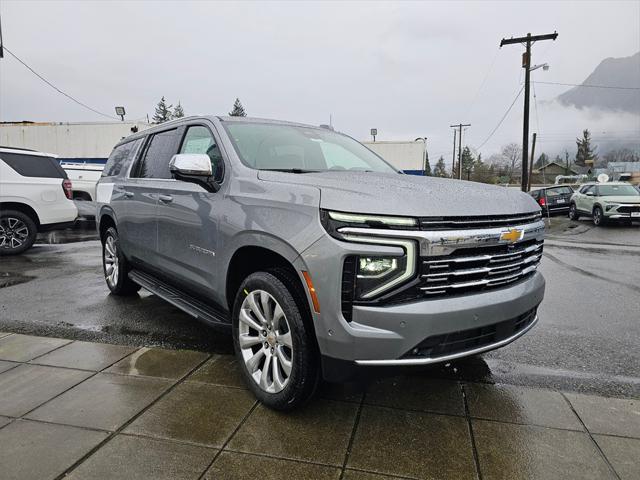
408, 69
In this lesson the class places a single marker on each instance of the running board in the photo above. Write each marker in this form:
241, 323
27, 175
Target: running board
184, 302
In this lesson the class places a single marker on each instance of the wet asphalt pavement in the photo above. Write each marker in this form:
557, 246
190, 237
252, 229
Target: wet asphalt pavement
587, 338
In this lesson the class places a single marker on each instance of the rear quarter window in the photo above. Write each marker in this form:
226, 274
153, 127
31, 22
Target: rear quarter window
120, 158
34, 165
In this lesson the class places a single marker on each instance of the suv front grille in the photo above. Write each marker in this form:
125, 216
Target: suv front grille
628, 208
465, 223
465, 340
479, 268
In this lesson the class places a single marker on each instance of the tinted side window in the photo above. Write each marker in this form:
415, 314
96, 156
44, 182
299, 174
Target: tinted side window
120, 157
155, 161
588, 188
200, 140
34, 165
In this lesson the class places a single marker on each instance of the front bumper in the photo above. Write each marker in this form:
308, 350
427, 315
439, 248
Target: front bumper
380, 335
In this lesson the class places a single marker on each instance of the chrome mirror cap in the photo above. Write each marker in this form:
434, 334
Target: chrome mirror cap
197, 164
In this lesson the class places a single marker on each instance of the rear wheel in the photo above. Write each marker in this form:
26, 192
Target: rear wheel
598, 217
273, 340
573, 212
115, 266
18, 232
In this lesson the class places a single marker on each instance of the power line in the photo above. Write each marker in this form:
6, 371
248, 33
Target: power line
484, 80
56, 88
502, 119
590, 86
535, 105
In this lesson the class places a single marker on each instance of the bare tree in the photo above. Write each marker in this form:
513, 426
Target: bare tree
512, 157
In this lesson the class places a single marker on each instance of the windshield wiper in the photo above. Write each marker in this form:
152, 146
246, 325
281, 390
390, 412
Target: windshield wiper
289, 170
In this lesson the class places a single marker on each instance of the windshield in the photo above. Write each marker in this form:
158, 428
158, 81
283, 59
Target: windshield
617, 190
301, 149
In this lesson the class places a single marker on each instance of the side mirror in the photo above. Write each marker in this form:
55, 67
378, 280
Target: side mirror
194, 168
191, 164
590, 194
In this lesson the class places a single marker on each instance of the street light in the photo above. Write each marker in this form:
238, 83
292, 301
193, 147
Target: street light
544, 66
424, 157
120, 111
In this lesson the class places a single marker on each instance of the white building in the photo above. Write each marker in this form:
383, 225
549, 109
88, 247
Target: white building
407, 156
92, 142
79, 142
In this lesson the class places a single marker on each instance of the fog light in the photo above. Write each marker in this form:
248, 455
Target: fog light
376, 266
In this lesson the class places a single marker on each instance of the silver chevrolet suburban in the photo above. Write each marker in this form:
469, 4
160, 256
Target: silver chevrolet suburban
318, 255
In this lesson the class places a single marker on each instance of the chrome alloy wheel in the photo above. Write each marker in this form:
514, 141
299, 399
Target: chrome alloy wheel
111, 262
13, 233
264, 338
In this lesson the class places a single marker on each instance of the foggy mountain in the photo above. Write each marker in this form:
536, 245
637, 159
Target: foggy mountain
619, 72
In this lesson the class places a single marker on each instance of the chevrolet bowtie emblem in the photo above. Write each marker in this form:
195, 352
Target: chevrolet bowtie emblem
512, 236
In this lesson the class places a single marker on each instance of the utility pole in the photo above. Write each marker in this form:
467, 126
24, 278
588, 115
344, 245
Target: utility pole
533, 153
459, 127
1, 44
526, 64
453, 155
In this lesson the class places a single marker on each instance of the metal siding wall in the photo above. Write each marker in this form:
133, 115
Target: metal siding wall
69, 140
402, 155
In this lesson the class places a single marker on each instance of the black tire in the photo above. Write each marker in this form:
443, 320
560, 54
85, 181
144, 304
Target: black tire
573, 212
304, 374
598, 216
18, 232
117, 279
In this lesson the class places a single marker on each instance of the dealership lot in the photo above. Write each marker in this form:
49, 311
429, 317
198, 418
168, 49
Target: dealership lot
106, 411
88, 377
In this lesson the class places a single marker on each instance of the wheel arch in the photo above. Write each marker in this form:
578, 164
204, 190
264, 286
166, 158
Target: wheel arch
22, 207
106, 219
250, 258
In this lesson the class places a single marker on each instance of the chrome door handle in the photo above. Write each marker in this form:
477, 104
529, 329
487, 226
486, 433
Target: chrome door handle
165, 198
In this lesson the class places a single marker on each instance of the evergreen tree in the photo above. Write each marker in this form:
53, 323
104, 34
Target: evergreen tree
585, 150
163, 112
178, 111
542, 160
467, 162
427, 165
440, 170
238, 109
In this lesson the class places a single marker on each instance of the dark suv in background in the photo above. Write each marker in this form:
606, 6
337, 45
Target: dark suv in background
318, 255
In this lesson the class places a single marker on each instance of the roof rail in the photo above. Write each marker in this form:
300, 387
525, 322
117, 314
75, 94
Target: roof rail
16, 148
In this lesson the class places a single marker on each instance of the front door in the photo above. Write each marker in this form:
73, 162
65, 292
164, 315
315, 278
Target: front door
188, 218
148, 179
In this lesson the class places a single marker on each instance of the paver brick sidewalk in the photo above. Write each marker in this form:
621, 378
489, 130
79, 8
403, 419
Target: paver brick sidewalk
85, 410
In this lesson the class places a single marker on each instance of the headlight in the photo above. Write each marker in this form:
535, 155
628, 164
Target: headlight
332, 221
373, 267
610, 206
376, 275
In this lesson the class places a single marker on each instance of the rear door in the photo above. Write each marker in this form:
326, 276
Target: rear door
188, 217
148, 179
110, 190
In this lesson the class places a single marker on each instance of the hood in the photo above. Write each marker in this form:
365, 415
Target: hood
622, 199
408, 195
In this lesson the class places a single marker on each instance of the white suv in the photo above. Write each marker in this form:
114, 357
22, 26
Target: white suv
35, 196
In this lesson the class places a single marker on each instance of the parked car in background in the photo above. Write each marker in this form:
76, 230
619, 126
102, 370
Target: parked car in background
553, 199
35, 196
84, 177
317, 255
606, 201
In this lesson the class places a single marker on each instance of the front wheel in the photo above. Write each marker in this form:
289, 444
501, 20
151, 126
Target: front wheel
273, 342
598, 216
18, 232
115, 266
573, 212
